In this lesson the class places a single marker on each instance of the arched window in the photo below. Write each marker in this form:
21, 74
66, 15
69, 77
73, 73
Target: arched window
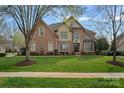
76, 36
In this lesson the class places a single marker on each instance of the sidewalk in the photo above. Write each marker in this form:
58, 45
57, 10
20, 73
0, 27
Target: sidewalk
61, 75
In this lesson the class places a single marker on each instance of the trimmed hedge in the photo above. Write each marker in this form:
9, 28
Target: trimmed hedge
2, 54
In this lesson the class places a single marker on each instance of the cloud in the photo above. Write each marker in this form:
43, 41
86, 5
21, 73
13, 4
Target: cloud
118, 18
84, 18
87, 19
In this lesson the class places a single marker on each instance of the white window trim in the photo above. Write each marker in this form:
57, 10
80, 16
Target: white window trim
85, 47
2, 50
43, 31
33, 50
66, 43
61, 35
52, 46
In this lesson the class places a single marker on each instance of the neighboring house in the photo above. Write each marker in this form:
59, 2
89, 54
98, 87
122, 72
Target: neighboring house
68, 37
121, 43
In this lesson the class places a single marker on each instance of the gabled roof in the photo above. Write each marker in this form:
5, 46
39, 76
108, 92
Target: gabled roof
56, 26
48, 27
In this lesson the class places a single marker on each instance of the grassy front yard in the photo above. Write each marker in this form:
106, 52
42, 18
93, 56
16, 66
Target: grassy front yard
60, 83
62, 64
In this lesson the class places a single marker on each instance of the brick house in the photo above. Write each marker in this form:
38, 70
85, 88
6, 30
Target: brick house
68, 37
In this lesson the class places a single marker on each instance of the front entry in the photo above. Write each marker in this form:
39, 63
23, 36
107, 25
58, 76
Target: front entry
76, 47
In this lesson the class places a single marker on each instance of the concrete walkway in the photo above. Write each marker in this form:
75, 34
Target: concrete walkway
61, 75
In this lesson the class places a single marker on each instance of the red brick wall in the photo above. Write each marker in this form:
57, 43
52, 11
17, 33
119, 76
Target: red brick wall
42, 42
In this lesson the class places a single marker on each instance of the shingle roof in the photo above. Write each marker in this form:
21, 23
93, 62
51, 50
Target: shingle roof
56, 26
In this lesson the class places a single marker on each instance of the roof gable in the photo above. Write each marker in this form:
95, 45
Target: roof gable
56, 26
73, 23
43, 22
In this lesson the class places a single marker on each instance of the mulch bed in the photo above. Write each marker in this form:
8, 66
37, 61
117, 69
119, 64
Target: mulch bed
25, 63
117, 63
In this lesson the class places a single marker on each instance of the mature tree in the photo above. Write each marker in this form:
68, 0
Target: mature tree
110, 24
115, 15
101, 44
27, 18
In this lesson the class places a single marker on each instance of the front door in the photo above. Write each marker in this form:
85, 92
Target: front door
76, 47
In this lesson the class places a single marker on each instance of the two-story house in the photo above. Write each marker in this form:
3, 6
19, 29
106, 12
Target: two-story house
66, 37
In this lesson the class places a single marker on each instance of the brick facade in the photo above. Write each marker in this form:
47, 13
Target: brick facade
53, 35
42, 42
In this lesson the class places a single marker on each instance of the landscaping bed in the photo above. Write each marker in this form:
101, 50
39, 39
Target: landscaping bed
117, 63
25, 63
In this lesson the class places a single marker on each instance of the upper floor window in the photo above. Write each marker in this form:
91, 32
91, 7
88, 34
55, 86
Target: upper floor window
63, 35
76, 36
42, 31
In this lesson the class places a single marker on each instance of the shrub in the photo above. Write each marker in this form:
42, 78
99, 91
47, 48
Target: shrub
103, 52
2, 54
118, 53
50, 53
34, 54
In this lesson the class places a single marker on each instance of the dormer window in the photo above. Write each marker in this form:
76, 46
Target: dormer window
42, 31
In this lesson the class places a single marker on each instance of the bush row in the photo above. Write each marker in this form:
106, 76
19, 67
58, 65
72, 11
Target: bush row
2, 54
110, 53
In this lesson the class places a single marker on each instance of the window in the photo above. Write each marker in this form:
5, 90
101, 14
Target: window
2, 50
50, 46
76, 36
63, 35
33, 47
71, 24
88, 47
63, 47
41, 31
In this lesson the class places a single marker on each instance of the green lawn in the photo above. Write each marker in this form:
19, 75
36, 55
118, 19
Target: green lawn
60, 83
62, 64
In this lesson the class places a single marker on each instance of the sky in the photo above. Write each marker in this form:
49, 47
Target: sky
90, 14
83, 19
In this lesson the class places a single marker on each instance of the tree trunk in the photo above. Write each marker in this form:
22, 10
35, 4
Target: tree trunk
27, 44
13, 48
114, 49
114, 55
